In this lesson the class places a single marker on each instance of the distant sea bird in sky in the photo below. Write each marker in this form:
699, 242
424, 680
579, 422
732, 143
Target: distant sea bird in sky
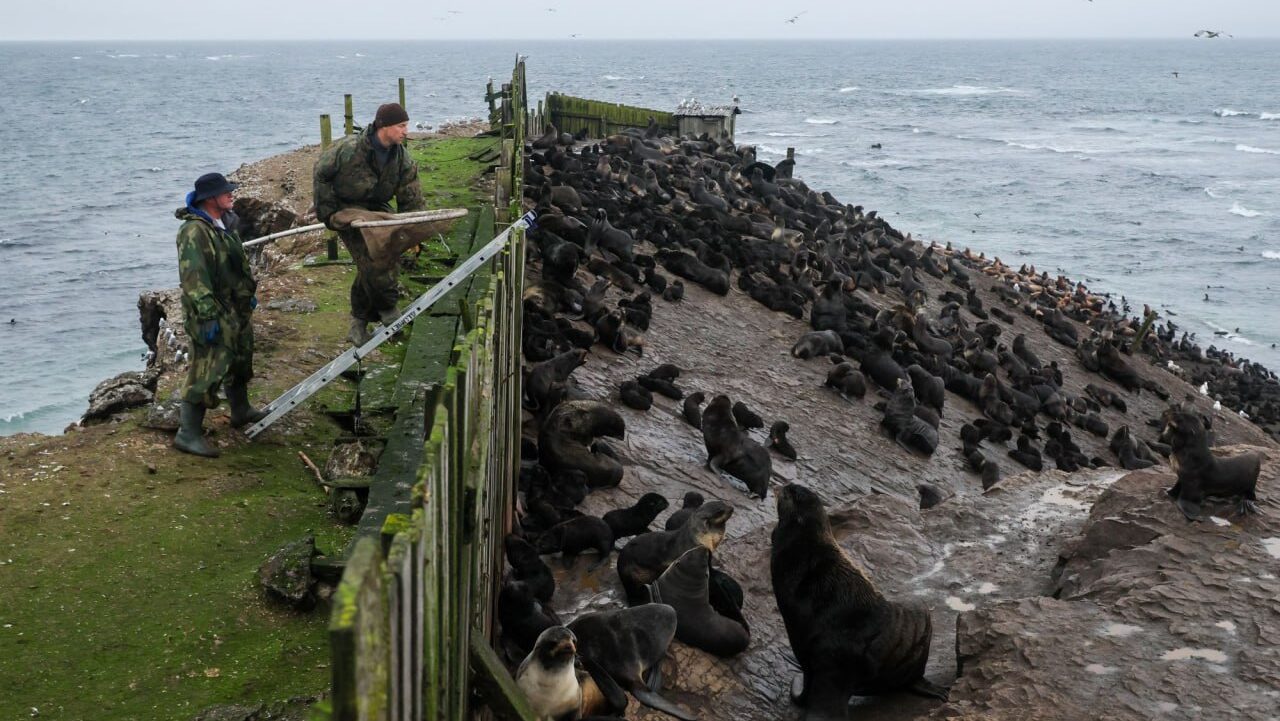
1211, 34
1175, 74
795, 17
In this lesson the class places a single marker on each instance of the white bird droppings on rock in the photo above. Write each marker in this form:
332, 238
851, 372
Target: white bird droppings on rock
1184, 653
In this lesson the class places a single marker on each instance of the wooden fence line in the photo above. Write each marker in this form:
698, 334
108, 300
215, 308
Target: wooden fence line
599, 119
414, 611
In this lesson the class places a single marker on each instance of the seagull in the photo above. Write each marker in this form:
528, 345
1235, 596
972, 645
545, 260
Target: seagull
1175, 74
574, 35
977, 215
794, 18
1211, 34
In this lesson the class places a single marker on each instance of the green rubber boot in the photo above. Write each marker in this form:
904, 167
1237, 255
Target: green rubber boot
359, 333
190, 436
242, 414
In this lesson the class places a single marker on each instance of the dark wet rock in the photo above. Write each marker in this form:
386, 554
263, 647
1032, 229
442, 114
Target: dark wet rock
232, 712
286, 575
259, 218
116, 395
291, 305
1162, 617
163, 415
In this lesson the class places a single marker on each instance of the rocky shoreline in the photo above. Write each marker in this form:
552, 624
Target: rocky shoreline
1076, 592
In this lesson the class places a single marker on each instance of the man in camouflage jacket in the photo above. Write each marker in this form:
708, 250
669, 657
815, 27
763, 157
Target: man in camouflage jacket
218, 298
366, 171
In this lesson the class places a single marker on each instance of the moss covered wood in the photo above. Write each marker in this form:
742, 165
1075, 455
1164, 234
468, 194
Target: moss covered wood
600, 119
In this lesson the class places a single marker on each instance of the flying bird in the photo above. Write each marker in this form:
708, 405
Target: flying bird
1175, 74
795, 17
1211, 34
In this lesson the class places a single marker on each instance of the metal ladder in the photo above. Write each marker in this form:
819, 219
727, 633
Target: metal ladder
290, 399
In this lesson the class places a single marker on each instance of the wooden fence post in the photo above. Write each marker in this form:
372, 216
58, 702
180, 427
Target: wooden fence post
326, 131
791, 154
358, 637
350, 118
402, 94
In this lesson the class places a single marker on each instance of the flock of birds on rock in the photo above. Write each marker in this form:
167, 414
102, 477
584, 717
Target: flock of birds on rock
716, 216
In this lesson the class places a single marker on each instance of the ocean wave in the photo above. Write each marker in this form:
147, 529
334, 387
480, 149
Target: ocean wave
790, 135
1033, 146
1212, 194
820, 121
849, 89
966, 90
622, 77
1251, 149
1229, 333
1271, 254
1243, 212
1229, 113
1268, 116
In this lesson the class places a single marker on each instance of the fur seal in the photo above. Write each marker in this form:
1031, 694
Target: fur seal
848, 380
730, 449
692, 500
816, 343
572, 537
778, 440
746, 418
630, 521
646, 556
618, 647
902, 423
546, 385
686, 587
1200, 473
635, 396
527, 566
522, 617
848, 638
691, 410
548, 678
566, 435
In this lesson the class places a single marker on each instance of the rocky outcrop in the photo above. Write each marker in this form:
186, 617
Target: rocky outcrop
1155, 617
286, 575
116, 395
259, 217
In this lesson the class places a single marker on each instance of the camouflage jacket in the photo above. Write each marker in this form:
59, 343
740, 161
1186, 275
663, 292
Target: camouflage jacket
347, 176
217, 282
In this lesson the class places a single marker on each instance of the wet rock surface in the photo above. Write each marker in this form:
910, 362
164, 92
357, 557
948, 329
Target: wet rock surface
1155, 617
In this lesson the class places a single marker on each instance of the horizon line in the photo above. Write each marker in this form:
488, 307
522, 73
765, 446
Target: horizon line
617, 39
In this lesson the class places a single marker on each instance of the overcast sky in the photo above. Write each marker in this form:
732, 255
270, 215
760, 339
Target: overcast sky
632, 19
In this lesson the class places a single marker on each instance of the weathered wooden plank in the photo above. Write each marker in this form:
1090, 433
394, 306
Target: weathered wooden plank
495, 686
358, 638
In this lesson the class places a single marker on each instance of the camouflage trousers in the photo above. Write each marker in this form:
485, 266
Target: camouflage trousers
375, 289
229, 359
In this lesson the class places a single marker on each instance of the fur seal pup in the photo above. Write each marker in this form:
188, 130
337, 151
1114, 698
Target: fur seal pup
646, 556
730, 449
618, 647
566, 436
778, 440
527, 567
746, 418
522, 618
673, 292
1200, 473
848, 638
1128, 451
692, 500
903, 425
817, 343
630, 521
661, 386
572, 537
686, 587
546, 385
848, 380
635, 396
691, 409
548, 678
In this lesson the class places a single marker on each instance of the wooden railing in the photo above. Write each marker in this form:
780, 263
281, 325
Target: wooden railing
598, 119
413, 614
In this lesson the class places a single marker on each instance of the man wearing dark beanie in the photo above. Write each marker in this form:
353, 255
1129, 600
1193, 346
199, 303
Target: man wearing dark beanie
365, 171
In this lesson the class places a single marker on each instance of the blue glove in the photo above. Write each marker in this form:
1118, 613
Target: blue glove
209, 330
253, 303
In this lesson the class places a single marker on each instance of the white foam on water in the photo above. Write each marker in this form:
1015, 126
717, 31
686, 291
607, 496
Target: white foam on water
1229, 113
1120, 630
1243, 212
1273, 547
1269, 116
1271, 254
76, 57
1100, 670
1034, 146
1251, 149
849, 89
790, 135
955, 604
1226, 626
1185, 653
966, 90
1209, 192
821, 121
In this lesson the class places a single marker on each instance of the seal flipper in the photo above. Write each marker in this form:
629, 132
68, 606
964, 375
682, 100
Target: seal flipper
797, 690
613, 693
928, 689
653, 700
1190, 509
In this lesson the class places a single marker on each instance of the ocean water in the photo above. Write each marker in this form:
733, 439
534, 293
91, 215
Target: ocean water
1084, 157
